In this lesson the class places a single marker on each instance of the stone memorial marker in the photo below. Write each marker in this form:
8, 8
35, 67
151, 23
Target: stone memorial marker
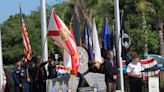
63, 84
96, 80
83, 60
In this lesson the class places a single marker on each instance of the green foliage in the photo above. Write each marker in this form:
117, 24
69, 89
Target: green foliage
9, 67
11, 39
153, 46
104, 9
158, 6
12, 46
65, 11
134, 21
136, 12
91, 3
138, 40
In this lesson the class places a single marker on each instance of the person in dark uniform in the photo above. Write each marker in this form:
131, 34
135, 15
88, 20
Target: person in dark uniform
40, 76
31, 67
51, 69
28, 71
108, 68
17, 77
20, 78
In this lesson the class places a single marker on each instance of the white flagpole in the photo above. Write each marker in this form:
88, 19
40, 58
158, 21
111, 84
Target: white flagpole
44, 30
44, 33
1, 65
118, 41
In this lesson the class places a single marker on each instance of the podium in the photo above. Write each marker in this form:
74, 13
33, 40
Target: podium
150, 72
148, 76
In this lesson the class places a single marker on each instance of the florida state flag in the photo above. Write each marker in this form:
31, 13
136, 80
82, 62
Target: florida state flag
26, 41
59, 32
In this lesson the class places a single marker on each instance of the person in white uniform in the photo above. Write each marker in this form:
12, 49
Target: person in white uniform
135, 76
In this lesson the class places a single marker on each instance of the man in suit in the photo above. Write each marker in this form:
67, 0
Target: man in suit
109, 69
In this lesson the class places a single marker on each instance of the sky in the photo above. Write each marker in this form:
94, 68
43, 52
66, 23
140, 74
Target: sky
11, 7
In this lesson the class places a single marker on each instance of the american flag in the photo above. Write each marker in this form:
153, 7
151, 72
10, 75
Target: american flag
26, 41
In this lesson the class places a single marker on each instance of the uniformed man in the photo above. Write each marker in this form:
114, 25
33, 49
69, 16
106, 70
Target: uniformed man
40, 76
31, 67
51, 69
27, 78
20, 78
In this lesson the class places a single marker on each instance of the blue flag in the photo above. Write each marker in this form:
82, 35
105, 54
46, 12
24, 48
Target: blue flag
106, 36
85, 36
90, 48
87, 42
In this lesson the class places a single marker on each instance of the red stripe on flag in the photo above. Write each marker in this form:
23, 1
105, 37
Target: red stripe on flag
74, 56
57, 21
147, 61
69, 44
26, 41
53, 33
76, 62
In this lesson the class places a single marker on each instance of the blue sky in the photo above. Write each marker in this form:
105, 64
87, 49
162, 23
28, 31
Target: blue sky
11, 7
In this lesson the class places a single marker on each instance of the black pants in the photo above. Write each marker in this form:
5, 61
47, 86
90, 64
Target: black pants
18, 89
135, 84
39, 86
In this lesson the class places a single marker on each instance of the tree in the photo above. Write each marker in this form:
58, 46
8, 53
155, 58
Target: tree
158, 6
12, 46
138, 41
143, 7
85, 9
138, 21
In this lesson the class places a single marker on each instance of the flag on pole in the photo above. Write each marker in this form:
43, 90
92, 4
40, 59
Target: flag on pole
26, 41
66, 57
67, 60
106, 36
76, 29
85, 37
4, 80
59, 32
76, 48
88, 42
114, 42
125, 39
54, 31
96, 45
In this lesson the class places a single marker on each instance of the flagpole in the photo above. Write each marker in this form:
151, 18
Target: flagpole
1, 65
118, 41
44, 30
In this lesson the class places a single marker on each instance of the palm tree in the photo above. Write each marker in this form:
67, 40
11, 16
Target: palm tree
156, 8
83, 10
87, 9
144, 6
